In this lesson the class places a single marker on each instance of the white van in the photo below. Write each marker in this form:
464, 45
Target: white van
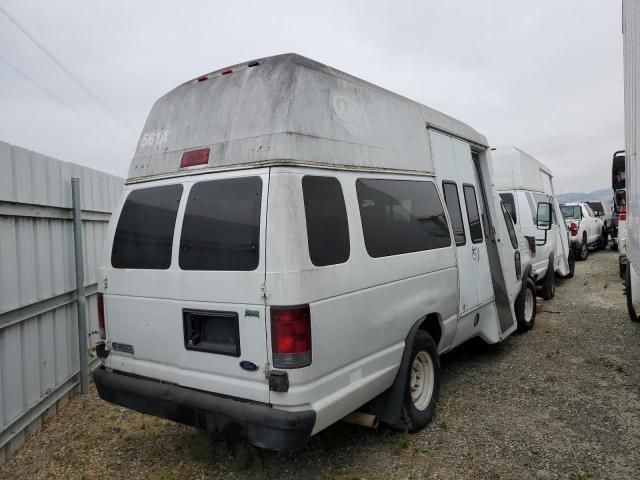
523, 182
282, 255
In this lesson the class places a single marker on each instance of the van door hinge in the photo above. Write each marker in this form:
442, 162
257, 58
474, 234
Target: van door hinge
105, 283
263, 289
267, 370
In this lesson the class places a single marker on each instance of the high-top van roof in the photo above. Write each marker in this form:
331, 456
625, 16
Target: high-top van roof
514, 169
288, 109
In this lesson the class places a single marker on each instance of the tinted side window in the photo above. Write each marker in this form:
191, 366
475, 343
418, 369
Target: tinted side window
510, 227
473, 215
510, 204
144, 233
327, 226
533, 206
401, 216
452, 200
221, 228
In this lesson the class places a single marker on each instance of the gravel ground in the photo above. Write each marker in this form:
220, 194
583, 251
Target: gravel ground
560, 402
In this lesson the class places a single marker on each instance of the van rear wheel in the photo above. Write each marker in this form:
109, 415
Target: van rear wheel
423, 382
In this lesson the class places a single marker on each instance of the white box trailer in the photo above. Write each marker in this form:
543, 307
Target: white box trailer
294, 244
631, 243
523, 182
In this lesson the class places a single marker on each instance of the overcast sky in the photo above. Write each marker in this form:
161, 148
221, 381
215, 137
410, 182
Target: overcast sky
545, 76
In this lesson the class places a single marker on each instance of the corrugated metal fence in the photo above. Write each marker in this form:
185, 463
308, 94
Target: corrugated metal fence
39, 359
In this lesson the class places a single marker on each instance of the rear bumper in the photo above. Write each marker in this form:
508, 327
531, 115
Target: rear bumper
259, 424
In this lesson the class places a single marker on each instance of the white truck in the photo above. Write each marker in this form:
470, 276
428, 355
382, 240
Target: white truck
522, 182
629, 241
586, 228
294, 244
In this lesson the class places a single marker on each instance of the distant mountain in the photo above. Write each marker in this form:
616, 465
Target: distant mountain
604, 195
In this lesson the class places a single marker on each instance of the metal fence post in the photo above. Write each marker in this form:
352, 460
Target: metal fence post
80, 294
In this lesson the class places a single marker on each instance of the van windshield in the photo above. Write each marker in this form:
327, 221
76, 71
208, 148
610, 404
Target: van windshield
571, 211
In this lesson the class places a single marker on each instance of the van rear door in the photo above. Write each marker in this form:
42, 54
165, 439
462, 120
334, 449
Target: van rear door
183, 285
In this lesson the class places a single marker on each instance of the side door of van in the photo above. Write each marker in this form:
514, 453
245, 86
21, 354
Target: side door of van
455, 168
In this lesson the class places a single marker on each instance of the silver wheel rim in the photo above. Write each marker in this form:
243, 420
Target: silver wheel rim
528, 305
583, 252
422, 380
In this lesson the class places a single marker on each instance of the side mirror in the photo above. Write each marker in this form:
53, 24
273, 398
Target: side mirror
544, 216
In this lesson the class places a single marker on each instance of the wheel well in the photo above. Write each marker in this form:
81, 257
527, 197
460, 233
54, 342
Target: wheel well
431, 325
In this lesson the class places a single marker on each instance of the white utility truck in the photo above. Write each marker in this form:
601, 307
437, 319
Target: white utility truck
522, 182
629, 242
294, 245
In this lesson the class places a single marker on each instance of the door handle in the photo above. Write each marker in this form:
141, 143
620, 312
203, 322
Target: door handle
475, 253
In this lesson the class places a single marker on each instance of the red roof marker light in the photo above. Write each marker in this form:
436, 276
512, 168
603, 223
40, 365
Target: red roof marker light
195, 157
226, 71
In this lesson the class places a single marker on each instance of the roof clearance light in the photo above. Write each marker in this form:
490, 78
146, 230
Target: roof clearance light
253, 64
202, 78
226, 71
195, 157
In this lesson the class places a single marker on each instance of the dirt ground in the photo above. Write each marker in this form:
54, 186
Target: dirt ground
560, 402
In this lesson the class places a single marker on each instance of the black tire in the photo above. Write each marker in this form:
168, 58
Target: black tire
526, 317
548, 290
604, 240
583, 249
418, 412
630, 308
572, 264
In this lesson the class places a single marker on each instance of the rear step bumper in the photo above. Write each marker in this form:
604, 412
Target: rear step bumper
259, 424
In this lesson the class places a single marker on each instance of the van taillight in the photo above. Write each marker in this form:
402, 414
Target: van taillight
573, 228
291, 336
623, 213
101, 329
195, 157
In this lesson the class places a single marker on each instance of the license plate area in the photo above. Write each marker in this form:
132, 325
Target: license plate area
211, 332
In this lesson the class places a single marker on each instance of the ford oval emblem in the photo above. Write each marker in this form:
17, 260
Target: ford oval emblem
250, 366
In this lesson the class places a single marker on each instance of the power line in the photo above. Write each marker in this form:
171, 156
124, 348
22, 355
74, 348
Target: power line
50, 93
68, 72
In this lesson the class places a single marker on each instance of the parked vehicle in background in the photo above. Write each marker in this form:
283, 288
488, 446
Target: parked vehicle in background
586, 229
613, 228
383, 246
601, 212
618, 183
630, 244
522, 183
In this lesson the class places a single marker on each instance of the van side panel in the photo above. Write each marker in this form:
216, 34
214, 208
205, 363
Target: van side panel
361, 310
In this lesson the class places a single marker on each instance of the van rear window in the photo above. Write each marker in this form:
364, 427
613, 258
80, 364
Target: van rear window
401, 216
327, 225
145, 228
221, 227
